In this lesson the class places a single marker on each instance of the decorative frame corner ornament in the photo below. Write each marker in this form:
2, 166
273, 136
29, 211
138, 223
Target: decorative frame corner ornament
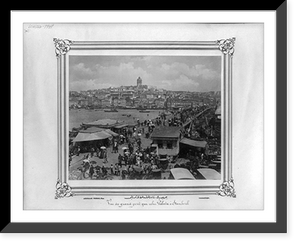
227, 189
62, 190
62, 46
226, 46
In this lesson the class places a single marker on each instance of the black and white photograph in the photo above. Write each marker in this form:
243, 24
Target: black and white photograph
145, 117
135, 117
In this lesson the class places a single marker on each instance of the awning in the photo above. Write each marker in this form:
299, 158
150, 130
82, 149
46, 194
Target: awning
181, 173
209, 173
92, 129
111, 132
83, 137
97, 129
194, 143
120, 126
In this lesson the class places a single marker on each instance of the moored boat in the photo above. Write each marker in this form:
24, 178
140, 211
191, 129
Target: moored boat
110, 110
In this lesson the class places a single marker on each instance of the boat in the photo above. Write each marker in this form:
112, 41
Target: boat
144, 111
110, 110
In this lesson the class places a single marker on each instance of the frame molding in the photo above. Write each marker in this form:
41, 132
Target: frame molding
225, 188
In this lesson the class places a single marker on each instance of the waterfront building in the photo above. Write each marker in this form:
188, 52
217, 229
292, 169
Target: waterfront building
73, 101
129, 102
150, 95
167, 140
90, 100
96, 102
121, 102
83, 102
105, 103
160, 102
115, 95
128, 94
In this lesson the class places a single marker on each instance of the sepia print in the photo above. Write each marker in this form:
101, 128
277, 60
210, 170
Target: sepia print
143, 118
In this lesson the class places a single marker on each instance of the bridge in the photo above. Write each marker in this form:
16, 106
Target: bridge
195, 117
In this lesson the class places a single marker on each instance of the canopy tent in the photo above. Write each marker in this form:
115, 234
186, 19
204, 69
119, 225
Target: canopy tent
194, 143
83, 137
209, 173
111, 132
92, 130
120, 126
182, 173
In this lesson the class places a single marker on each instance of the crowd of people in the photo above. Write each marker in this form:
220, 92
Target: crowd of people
134, 161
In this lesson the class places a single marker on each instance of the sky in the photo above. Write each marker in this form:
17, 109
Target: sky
177, 73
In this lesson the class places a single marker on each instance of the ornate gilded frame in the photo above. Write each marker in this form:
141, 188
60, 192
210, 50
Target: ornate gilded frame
225, 187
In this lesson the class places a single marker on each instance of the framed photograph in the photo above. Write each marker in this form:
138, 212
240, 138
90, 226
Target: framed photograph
166, 124
170, 136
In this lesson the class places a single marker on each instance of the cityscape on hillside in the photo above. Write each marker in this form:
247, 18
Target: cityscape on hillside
141, 96
140, 132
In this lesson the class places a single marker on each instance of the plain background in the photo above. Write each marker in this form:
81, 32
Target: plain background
40, 105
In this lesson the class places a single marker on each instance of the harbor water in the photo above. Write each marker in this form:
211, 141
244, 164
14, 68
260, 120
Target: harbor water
128, 116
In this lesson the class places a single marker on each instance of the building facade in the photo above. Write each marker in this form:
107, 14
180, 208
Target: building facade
167, 140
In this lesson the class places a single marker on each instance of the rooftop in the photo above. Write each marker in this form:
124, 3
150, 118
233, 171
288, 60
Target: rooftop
84, 136
166, 132
194, 143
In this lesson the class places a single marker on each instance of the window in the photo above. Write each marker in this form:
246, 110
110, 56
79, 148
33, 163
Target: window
160, 144
169, 144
